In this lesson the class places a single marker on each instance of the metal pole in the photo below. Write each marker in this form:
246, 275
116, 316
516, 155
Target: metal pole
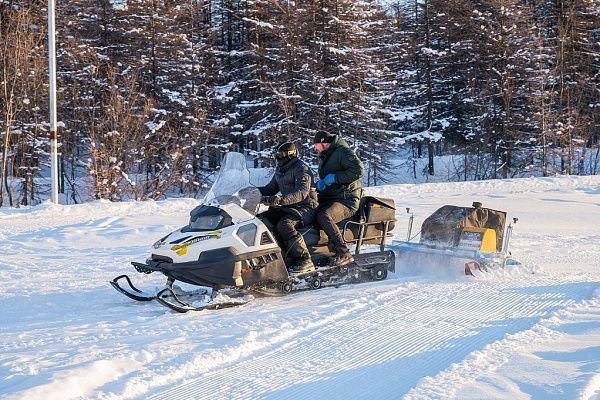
52, 76
410, 224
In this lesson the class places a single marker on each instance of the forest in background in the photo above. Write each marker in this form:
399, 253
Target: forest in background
152, 93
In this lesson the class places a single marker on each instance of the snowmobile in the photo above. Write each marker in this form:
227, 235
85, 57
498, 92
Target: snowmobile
232, 253
470, 239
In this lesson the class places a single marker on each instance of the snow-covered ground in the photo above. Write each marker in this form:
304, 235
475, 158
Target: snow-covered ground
533, 332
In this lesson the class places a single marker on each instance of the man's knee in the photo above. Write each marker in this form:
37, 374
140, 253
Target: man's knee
286, 227
324, 216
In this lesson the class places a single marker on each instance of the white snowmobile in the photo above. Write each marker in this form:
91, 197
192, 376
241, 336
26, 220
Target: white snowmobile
227, 247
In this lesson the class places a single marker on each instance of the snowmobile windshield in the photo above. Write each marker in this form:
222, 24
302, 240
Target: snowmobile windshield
232, 186
206, 223
207, 218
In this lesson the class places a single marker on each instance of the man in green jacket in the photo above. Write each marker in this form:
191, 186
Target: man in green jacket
339, 189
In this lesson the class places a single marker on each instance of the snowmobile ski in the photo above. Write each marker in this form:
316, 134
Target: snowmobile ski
182, 307
135, 293
139, 295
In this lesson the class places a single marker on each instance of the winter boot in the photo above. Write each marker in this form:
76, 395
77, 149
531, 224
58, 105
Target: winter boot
342, 258
303, 264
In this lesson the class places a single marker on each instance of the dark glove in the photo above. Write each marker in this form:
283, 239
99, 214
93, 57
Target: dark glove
270, 200
320, 185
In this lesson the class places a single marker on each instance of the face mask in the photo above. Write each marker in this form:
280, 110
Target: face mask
280, 160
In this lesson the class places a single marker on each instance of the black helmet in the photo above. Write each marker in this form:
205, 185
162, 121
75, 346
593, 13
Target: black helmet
285, 152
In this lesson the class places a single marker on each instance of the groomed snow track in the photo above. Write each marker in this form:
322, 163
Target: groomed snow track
378, 344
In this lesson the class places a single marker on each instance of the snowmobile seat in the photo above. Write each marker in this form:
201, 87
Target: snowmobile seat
371, 224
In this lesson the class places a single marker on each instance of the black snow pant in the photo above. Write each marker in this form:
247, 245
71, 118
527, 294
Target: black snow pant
287, 221
328, 216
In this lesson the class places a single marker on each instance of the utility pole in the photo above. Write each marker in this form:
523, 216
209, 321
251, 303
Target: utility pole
52, 76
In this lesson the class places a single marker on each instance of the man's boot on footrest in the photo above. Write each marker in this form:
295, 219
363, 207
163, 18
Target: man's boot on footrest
303, 264
342, 258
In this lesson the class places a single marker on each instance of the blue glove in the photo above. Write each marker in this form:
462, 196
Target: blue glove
330, 179
321, 185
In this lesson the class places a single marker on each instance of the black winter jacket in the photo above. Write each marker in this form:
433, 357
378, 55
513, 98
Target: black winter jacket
295, 182
341, 160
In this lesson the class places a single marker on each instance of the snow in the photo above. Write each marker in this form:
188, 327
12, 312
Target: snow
528, 332
258, 23
119, 4
153, 126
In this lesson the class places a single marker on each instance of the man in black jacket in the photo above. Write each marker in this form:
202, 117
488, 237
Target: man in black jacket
339, 189
295, 207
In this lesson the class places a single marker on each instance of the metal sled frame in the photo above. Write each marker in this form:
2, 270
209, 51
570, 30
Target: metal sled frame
362, 229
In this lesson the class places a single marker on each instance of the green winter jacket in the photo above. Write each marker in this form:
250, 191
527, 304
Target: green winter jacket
341, 160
